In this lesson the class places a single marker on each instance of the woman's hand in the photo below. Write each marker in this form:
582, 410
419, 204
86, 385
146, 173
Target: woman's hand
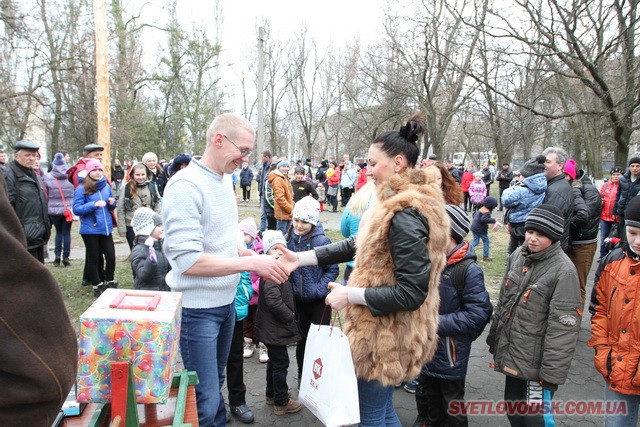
338, 297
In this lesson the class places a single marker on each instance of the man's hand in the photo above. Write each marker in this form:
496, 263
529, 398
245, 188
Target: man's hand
269, 268
288, 260
338, 296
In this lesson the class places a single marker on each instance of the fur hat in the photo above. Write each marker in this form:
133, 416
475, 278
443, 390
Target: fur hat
547, 220
248, 226
148, 156
633, 160
91, 165
58, 159
490, 203
632, 213
533, 166
459, 223
570, 168
144, 221
270, 238
307, 209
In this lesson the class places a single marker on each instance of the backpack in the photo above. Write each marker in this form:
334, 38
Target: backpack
268, 193
458, 274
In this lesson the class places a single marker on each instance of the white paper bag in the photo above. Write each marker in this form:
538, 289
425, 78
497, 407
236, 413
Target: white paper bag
328, 386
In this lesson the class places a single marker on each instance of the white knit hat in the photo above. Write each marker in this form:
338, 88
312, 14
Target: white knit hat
144, 221
248, 226
270, 238
148, 156
307, 209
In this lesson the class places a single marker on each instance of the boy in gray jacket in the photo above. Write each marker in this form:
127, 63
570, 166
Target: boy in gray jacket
537, 320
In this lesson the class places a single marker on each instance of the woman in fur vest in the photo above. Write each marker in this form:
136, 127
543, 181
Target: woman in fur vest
391, 299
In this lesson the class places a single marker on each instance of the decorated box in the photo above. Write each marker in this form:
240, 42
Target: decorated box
140, 327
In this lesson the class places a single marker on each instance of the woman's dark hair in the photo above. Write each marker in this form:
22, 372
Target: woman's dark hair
403, 142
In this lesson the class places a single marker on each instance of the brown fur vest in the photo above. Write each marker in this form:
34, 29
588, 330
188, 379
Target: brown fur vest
394, 347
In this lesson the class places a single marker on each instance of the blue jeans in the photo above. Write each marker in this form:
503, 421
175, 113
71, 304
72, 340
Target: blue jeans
605, 229
283, 225
205, 342
485, 243
376, 404
63, 235
632, 401
263, 214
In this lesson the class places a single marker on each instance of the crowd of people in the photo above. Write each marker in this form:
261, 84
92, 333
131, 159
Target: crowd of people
413, 295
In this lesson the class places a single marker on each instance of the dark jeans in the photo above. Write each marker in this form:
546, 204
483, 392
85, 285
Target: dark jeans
306, 314
516, 236
533, 394
235, 379
605, 229
277, 374
246, 192
467, 201
283, 225
130, 236
263, 214
500, 198
95, 245
38, 253
433, 400
485, 242
63, 235
249, 324
333, 201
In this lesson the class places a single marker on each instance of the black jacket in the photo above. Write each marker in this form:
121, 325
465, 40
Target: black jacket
560, 195
275, 319
412, 292
504, 178
150, 275
626, 191
587, 231
29, 201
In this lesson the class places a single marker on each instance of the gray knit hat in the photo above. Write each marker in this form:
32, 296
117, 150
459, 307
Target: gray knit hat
533, 166
144, 221
270, 238
547, 220
459, 223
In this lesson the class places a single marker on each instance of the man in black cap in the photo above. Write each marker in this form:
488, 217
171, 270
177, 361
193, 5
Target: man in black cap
628, 187
91, 151
3, 159
27, 197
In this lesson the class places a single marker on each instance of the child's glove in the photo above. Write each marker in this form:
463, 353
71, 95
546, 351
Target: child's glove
152, 255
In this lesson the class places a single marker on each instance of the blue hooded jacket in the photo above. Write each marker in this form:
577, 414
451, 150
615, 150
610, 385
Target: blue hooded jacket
94, 220
310, 283
526, 196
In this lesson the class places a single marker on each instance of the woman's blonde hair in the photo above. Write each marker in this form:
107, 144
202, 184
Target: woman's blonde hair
363, 199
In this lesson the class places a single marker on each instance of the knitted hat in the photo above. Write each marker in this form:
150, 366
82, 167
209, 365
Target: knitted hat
248, 226
634, 160
533, 166
307, 209
149, 156
547, 220
58, 159
616, 169
91, 165
490, 203
570, 168
270, 238
632, 212
299, 169
282, 163
478, 175
459, 223
144, 221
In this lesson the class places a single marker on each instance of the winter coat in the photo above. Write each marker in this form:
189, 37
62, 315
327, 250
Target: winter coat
626, 191
94, 220
159, 178
608, 193
348, 178
246, 176
477, 192
302, 189
459, 320
521, 199
310, 283
467, 179
54, 182
244, 292
615, 330
535, 326
147, 195
282, 195
275, 322
258, 248
487, 176
401, 253
586, 232
504, 178
481, 221
261, 177
560, 195
29, 201
39, 350
149, 275
455, 174
334, 180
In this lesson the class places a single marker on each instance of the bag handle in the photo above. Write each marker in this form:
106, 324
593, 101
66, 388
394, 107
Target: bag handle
334, 315
64, 202
150, 306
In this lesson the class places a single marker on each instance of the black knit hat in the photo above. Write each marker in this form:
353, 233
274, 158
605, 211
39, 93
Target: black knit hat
547, 220
490, 203
533, 166
617, 169
459, 223
632, 160
632, 212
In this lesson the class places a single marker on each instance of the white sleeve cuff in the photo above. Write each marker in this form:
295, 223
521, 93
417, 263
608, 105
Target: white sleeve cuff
307, 258
356, 296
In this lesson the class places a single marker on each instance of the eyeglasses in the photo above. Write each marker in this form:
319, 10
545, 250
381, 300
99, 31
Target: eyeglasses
245, 152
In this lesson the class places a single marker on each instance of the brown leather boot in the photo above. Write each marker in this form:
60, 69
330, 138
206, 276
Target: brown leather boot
291, 407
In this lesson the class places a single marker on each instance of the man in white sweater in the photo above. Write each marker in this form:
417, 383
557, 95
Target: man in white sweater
200, 217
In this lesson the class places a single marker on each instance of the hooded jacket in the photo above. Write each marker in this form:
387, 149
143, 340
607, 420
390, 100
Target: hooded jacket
275, 322
626, 191
55, 182
521, 199
94, 220
282, 195
459, 320
560, 195
399, 262
149, 275
535, 326
310, 283
586, 232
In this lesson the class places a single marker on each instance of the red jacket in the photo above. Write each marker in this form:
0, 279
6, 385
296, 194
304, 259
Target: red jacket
608, 193
362, 179
334, 179
467, 179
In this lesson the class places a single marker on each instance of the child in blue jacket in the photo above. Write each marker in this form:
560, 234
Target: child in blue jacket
480, 226
309, 283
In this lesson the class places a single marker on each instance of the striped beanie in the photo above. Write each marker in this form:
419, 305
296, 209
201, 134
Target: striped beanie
459, 223
632, 213
547, 220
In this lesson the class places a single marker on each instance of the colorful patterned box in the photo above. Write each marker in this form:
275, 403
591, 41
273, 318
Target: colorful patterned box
141, 327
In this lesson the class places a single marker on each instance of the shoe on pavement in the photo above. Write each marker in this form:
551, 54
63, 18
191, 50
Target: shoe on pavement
411, 386
249, 348
262, 351
242, 413
291, 407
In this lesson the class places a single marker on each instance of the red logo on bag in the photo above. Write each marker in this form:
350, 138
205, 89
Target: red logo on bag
317, 368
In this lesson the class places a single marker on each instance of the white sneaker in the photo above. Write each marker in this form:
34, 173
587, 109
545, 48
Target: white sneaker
262, 351
249, 348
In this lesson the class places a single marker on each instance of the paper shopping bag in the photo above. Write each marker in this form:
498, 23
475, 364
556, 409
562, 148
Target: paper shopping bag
328, 386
